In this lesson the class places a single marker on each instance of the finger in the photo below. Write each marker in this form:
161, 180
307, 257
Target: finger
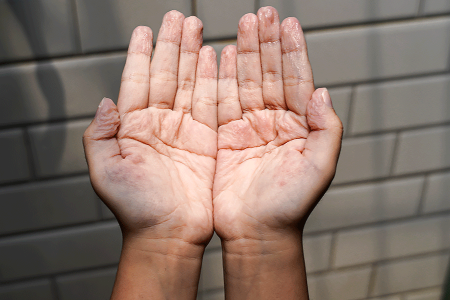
324, 140
99, 139
191, 42
229, 108
204, 102
249, 64
297, 73
270, 47
164, 66
133, 93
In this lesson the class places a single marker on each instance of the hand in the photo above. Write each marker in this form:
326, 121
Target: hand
152, 158
278, 138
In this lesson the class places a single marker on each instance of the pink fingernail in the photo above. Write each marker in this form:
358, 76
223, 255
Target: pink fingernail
99, 108
326, 98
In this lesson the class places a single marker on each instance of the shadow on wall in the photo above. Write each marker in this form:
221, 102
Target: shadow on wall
446, 286
48, 79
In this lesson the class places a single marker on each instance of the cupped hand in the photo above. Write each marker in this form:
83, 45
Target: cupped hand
278, 137
152, 158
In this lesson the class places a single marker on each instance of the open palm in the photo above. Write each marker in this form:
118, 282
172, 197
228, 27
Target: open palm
152, 158
278, 139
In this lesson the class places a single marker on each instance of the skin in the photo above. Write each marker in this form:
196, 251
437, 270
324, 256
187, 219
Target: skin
278, 144
152, 159
248, 155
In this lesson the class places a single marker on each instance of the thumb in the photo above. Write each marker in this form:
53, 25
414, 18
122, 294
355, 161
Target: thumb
323, 144
99, 139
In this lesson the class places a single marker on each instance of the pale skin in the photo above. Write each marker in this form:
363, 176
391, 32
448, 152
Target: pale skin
184, 153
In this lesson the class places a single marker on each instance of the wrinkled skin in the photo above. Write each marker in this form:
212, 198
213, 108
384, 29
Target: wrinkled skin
277, 147
152, 158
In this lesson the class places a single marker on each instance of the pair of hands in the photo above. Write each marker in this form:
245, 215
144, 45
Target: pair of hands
184, 153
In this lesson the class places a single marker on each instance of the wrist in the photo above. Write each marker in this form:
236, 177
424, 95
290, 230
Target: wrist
153, 267
268, 268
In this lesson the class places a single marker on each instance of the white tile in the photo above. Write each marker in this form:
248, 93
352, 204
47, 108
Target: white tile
400, 104
405, 275
360, 204
352, 284
365, 158
316, 250
329, 12
437, 196
379, 51
423, 150
395, 240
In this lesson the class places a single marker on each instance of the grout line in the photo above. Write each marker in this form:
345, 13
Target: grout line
57, 274
384, 222
30, 158
257, 4
54, 288
333, 249
383, 261
422, 195
76, 24
51, 230
373, 275
390, 178
194, 8
347, 131
394, 154
420, 8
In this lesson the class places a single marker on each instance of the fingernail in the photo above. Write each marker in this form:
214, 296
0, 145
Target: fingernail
326, 98
99, 108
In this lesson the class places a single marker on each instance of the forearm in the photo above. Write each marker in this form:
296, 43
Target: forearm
272, 268
158, 269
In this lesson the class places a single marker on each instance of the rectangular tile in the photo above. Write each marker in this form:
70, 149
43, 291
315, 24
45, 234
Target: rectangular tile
221, 18
38, 28
355, 205
316, 251
108, 24
388, 241
29, 290
429, 294
331, 13
400, 104
405, 275
14, 163
437, 193
365, 158
90, 285
58, 89
351, 284
58, 148
59, 251
47, 204
436, 6
381, 51
423, 150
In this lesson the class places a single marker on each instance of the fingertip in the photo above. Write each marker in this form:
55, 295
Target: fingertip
207, 62
141, 40
228, 52
173, 15
248, 21
268, 14
193, 22
290, 22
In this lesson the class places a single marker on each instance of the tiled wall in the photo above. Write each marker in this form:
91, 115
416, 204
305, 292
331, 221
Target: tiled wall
381, 232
